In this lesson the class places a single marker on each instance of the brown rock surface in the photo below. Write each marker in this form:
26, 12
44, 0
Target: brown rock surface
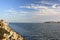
7, 33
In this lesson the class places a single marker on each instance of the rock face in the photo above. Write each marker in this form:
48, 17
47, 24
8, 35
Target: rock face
7, 33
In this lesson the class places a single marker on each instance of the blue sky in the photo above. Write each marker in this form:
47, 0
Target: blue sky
30, 10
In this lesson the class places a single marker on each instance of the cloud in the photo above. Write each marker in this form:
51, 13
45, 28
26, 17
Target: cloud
49, 2
11, 11
46, 2
42, 13
45, 13
12, 15
54, 6
44, 10
33, 6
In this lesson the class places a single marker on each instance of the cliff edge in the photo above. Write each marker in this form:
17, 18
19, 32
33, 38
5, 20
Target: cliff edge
7, 33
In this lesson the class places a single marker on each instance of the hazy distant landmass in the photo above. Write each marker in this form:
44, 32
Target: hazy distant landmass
52, 22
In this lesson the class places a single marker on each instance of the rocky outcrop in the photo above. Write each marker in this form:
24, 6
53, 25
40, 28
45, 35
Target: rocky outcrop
7, 33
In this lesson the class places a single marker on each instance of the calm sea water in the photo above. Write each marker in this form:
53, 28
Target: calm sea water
38, 31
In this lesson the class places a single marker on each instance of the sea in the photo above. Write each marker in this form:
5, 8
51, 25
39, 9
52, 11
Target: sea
37, 31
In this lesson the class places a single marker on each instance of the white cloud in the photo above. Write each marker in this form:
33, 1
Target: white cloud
42, 13
54, 6
33, 6
44, 10
11, 11
17, 16
46, 2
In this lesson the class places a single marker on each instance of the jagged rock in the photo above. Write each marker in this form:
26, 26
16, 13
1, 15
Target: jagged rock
7, 33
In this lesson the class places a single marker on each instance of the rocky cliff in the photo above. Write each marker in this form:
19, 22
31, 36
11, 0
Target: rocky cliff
7, 33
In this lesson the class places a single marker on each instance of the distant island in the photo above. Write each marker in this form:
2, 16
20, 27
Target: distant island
52, 22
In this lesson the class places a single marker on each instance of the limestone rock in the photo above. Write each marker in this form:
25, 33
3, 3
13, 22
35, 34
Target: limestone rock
7, 33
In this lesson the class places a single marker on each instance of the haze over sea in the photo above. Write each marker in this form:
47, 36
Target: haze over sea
38, 31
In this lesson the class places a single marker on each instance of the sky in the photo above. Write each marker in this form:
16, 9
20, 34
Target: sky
31, 11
